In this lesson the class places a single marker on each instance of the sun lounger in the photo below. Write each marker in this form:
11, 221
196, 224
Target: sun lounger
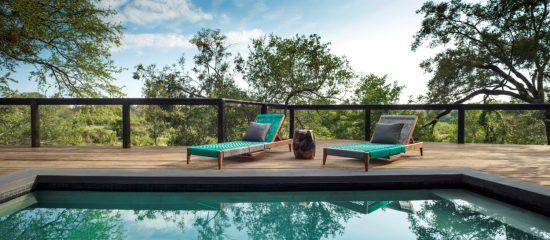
228, 149
368, 150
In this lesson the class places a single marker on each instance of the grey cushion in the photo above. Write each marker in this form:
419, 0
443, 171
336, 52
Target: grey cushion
387, 133
256, 132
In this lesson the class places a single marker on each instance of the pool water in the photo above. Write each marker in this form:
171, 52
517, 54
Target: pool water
402, 214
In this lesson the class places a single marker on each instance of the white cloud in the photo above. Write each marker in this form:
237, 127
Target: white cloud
113, 3
144, 12
136, 41
243, 36
174, 40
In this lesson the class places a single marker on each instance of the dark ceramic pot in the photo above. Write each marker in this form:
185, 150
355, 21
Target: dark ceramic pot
303, 144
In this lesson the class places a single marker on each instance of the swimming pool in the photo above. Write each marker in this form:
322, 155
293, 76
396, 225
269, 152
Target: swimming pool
384, 214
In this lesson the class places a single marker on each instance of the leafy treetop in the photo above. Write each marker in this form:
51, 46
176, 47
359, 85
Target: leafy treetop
495, 48
297, 69
67, 42
498, 48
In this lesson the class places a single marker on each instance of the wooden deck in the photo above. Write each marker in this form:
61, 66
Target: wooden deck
527, 162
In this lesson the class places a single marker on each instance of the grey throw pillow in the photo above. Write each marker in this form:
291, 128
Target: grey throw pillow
387, 133
256, 132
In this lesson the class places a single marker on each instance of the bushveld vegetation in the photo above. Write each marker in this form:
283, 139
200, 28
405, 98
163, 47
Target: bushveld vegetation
491, 50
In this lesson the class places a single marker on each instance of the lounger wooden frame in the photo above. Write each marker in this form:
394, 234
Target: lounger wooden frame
277, 141
409, 143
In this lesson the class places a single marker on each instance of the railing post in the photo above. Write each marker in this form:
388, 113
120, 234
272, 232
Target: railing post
35, 124
367, 124
221, 121
461, 117
291, 123
263, 109
126, 133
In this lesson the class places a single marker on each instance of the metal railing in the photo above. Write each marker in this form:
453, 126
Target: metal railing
461, 108
220, 104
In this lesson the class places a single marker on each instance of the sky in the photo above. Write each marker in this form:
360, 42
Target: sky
375, 35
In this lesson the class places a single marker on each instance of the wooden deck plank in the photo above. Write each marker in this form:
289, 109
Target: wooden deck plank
526, 162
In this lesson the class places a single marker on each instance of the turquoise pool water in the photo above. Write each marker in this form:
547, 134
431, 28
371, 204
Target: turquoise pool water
403, 214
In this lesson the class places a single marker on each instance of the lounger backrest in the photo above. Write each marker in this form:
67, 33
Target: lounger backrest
409, 124
276, 121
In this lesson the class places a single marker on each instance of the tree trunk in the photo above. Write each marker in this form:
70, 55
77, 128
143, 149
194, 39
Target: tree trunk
547, 126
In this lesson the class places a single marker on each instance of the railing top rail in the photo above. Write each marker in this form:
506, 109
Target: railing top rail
109, 101
522, 106
253, 103
213, 101
242, 102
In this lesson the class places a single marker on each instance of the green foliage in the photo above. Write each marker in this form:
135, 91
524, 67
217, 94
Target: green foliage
349, 124
213, 67
151, 126
492, 48
14, 125
518, 127
488, 46
376, 90
295, 70
212, 75
15, 122
67, 42
171, 81
81, 125
62, 125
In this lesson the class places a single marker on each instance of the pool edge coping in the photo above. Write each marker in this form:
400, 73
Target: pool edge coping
527, 195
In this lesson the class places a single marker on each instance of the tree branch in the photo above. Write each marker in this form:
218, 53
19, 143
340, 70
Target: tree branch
506, 62
485, 91
521, 89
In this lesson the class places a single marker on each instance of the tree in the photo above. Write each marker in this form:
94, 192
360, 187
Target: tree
170, 82
213, 72
295, 70
174, 82
497, 48
67, 42
373, 89
212, 76
213, 68
349, 124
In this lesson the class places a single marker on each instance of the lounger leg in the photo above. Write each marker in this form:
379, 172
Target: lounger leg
421, 151
324, 156
188, 156
366, 158
220, 160
290, 147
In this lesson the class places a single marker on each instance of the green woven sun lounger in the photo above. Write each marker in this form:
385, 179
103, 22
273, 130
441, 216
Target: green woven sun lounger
358, 150
368, 150
228, 149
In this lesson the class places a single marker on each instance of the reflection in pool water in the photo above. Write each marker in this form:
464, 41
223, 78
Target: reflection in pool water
411, 214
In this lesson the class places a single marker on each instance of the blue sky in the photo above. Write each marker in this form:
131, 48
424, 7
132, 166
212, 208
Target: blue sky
375, 35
